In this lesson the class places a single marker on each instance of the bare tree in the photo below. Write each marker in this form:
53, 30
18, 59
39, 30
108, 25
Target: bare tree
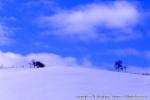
119, 66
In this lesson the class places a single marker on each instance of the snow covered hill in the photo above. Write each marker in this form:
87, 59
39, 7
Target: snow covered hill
72, 83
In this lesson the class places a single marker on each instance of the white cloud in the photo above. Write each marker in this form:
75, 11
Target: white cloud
135, 69
42, 3
5, 33
127, 52
53, 60
123, 52
85, 21
147, 54
9, 59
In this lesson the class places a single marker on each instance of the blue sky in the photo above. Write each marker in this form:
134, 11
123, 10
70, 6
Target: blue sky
94, 30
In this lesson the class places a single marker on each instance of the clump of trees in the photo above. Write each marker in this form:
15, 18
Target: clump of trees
119, 66
37, 64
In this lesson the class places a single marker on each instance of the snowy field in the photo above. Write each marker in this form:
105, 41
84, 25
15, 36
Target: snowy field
72, 83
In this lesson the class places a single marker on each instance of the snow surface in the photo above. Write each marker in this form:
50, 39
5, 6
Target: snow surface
69, 83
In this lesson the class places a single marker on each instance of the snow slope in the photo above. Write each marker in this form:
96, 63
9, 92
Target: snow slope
69, 83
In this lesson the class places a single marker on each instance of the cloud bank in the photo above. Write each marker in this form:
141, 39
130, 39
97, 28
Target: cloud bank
127, 52
9, 59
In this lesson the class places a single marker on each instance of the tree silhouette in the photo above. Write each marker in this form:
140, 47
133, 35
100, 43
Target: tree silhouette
119, 66
33, 63
37, 64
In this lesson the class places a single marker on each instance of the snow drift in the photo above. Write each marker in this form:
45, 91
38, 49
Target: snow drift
71, 83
